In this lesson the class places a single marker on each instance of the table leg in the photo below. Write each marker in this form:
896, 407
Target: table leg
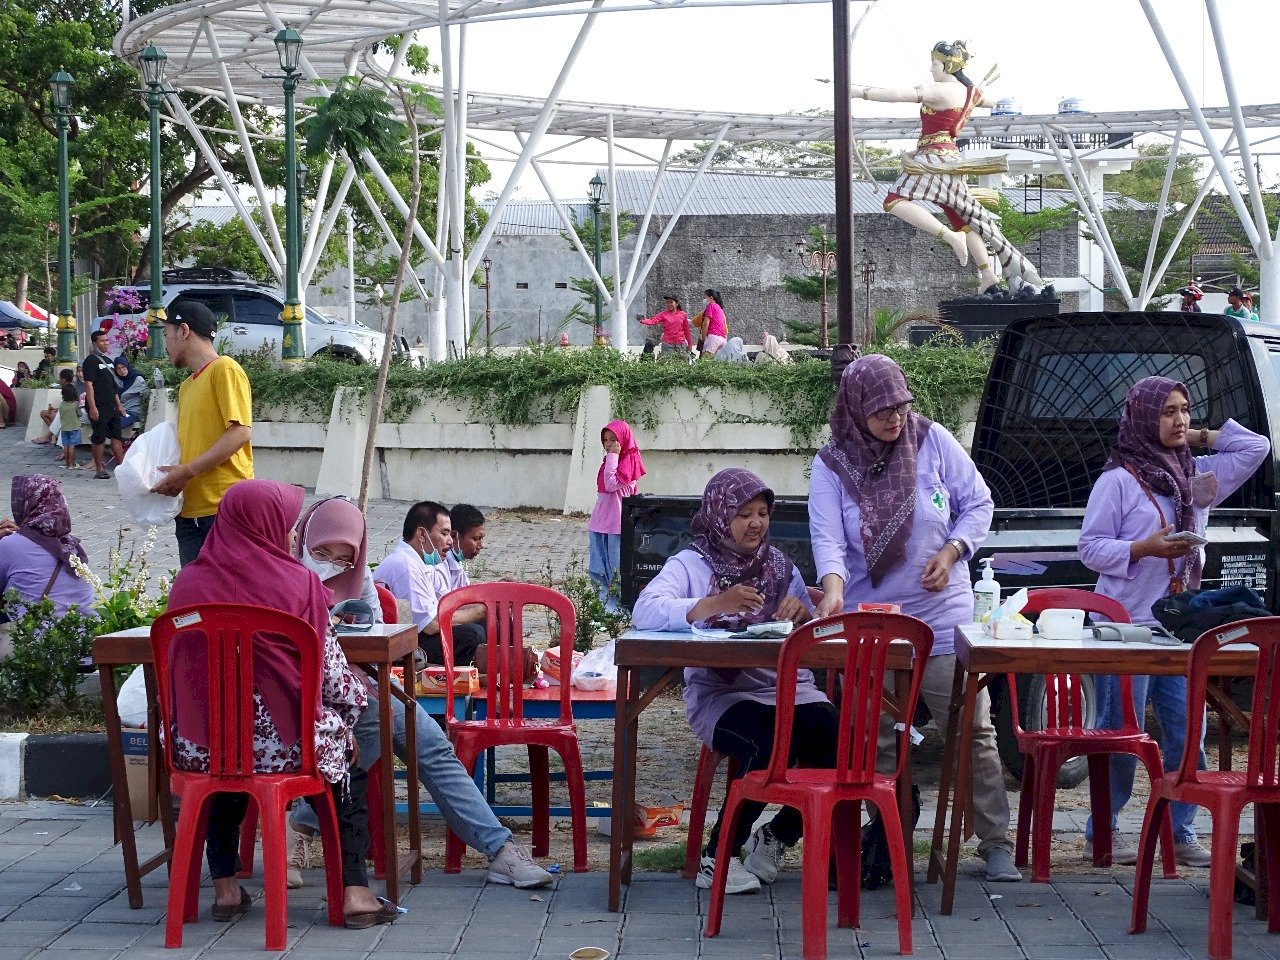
623, 764
906, 809
411, 765
121, 807
945, 775
159, 788
388, 781
960, 800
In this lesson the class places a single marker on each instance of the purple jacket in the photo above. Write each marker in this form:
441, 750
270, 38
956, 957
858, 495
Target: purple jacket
26, 567
952, 503
1120, 513
665, 604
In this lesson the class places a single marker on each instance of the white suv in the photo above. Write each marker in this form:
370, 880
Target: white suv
248, 315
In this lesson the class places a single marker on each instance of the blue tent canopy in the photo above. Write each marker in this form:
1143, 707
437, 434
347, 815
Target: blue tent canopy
11, 316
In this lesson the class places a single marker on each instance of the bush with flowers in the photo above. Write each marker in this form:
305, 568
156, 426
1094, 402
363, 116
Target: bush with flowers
128, 335
47, 652
124, 598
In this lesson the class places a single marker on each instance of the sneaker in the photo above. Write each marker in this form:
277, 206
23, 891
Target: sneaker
298, 849
514, 867
1191, 854
1000, 868
740, 879
765, 853
1123, 853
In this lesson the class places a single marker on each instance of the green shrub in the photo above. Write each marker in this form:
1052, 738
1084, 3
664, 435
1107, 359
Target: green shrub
47, 650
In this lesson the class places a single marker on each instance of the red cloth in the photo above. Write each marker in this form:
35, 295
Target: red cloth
630, 464
246, 559
337, 520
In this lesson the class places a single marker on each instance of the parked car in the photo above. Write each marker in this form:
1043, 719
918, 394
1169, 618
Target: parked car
1046, 424
249, 315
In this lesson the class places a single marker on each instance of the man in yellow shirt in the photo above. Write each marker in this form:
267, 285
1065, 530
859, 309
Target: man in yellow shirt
215, 424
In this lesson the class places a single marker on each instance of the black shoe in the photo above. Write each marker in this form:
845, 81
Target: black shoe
230, 913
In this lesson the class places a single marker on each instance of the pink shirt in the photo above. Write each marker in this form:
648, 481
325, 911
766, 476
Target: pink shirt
606, 516
675, 326
715, 325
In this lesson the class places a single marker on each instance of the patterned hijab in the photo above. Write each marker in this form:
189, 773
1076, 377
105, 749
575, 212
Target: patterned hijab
630, 464
880, 477
40, 511
766, 568
1170, 472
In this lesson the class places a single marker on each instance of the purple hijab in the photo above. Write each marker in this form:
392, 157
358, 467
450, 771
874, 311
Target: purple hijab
880, 477
1168, 471
40, 511
766, 568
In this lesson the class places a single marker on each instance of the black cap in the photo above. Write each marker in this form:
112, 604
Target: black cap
1236, 292
195, 315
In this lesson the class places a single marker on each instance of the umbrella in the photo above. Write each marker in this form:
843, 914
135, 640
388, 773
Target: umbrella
11, 316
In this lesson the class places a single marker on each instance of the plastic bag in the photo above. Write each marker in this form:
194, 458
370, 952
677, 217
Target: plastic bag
599, 663
156, 448
131, 701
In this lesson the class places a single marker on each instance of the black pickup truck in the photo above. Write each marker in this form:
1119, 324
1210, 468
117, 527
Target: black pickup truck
1045, 426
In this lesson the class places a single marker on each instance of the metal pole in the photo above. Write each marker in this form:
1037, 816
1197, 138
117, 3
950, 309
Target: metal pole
291, 344
595, 218
844, 353
351, 267
66, 321
155, 313
488, 331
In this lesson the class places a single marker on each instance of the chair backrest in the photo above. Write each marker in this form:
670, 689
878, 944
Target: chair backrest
1064, 699
504, 643
213, 644
387, 601
868, 637
1263, 767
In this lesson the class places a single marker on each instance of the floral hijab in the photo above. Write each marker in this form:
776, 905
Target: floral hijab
766, 568
880, 477
40, 511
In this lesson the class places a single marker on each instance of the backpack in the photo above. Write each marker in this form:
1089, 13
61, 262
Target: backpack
1188, 615
877, 868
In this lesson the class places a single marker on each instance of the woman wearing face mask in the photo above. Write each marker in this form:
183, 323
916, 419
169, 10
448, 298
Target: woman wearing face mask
331, 541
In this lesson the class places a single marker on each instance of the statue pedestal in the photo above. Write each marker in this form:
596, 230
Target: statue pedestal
979, 317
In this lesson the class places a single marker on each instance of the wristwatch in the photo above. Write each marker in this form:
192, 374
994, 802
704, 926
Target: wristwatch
961, 550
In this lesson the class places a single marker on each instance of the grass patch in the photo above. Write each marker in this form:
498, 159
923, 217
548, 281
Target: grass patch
85, 717
668, 858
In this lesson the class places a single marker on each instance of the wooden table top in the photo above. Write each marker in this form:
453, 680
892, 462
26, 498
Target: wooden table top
981, 653
660, 648
384, 643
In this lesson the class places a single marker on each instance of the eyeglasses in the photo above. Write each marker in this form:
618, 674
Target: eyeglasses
325, 557
888, 413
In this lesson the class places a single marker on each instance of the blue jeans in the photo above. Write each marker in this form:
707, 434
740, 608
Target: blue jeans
1169, 697
461, 804
603, 563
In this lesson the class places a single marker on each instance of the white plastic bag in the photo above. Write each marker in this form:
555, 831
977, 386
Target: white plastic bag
598, 663
156, 448
131, 701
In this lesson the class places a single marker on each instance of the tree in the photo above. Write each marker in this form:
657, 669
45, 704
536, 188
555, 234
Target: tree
585, 228
804, 158
808, 287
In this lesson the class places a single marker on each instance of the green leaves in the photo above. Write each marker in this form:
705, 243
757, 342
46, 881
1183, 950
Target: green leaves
355, 117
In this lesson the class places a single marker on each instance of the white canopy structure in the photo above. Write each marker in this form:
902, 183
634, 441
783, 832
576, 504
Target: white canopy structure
222, 51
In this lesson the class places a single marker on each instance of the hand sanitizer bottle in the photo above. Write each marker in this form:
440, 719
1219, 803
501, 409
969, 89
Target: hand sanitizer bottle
986, 594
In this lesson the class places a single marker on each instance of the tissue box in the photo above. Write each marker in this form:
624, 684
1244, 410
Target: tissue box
879, 608
1010, 628
552, 667
434, 682
137, 768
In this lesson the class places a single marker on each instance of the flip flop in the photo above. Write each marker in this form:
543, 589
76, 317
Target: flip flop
102, 475
372, 918
230, 913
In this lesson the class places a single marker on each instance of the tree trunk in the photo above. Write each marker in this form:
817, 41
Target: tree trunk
389, 331
24, 280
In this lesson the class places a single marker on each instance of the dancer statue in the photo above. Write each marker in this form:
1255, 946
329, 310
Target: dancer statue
936, 172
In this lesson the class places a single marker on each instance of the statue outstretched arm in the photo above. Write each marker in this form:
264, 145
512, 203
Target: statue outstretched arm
890, 94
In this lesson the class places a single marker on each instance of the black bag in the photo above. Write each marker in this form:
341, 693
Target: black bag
877, 868
1243, 892
1189, 614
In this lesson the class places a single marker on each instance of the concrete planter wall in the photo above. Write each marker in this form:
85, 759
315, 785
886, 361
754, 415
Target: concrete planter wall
53, 764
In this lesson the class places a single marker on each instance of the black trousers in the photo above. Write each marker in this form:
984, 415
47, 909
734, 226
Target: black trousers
745, 732
467, 639
227, 810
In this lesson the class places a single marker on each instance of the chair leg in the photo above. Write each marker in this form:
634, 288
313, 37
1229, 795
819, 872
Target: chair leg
1100, 807
1267, 858
1026, 804
185, 864
720, 879
1155, 770
1222, 879
1046, 789
901, 861
331, 845
540, 781
248, 839
846, 820
275, 853
576, 780
708, 761
813, 880
453, 845
1157, 807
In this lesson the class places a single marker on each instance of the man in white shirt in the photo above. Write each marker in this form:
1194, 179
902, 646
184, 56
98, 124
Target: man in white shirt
468, 541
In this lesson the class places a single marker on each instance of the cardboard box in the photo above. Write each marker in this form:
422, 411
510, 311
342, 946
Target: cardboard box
141, 778
466, 681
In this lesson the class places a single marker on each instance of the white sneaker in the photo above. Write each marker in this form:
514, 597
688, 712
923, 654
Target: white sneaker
299, 845
1191, 854
765, 854
1123, 853
740, 879
513, 866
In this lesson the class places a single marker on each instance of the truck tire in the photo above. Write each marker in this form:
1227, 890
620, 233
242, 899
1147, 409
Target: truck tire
1031, 709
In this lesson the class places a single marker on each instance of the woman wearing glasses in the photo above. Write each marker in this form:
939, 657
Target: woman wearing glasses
895, 508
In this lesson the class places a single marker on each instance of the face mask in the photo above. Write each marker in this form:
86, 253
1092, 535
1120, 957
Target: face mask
431, 559
457, 555
324, 569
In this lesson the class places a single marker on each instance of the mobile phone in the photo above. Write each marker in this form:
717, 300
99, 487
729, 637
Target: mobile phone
1188, 536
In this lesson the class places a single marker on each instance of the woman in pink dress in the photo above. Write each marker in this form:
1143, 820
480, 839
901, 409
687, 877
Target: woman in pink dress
677, 332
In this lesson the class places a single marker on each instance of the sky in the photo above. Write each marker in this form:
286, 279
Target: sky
773, 59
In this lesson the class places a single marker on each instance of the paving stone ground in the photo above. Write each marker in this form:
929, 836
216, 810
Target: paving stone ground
61, 879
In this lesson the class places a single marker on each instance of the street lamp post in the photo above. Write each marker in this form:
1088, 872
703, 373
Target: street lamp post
868, 274
487, 263
153, 63
60, 85
595, 192
824, 261
289, 48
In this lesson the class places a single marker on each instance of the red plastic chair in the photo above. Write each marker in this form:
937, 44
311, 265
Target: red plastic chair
387, 600
708, 762
505, 723
225, 634
819, 794
1226, 793
1065, 736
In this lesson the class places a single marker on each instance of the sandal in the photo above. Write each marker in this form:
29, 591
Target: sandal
372, 918
230, 913
41, 441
